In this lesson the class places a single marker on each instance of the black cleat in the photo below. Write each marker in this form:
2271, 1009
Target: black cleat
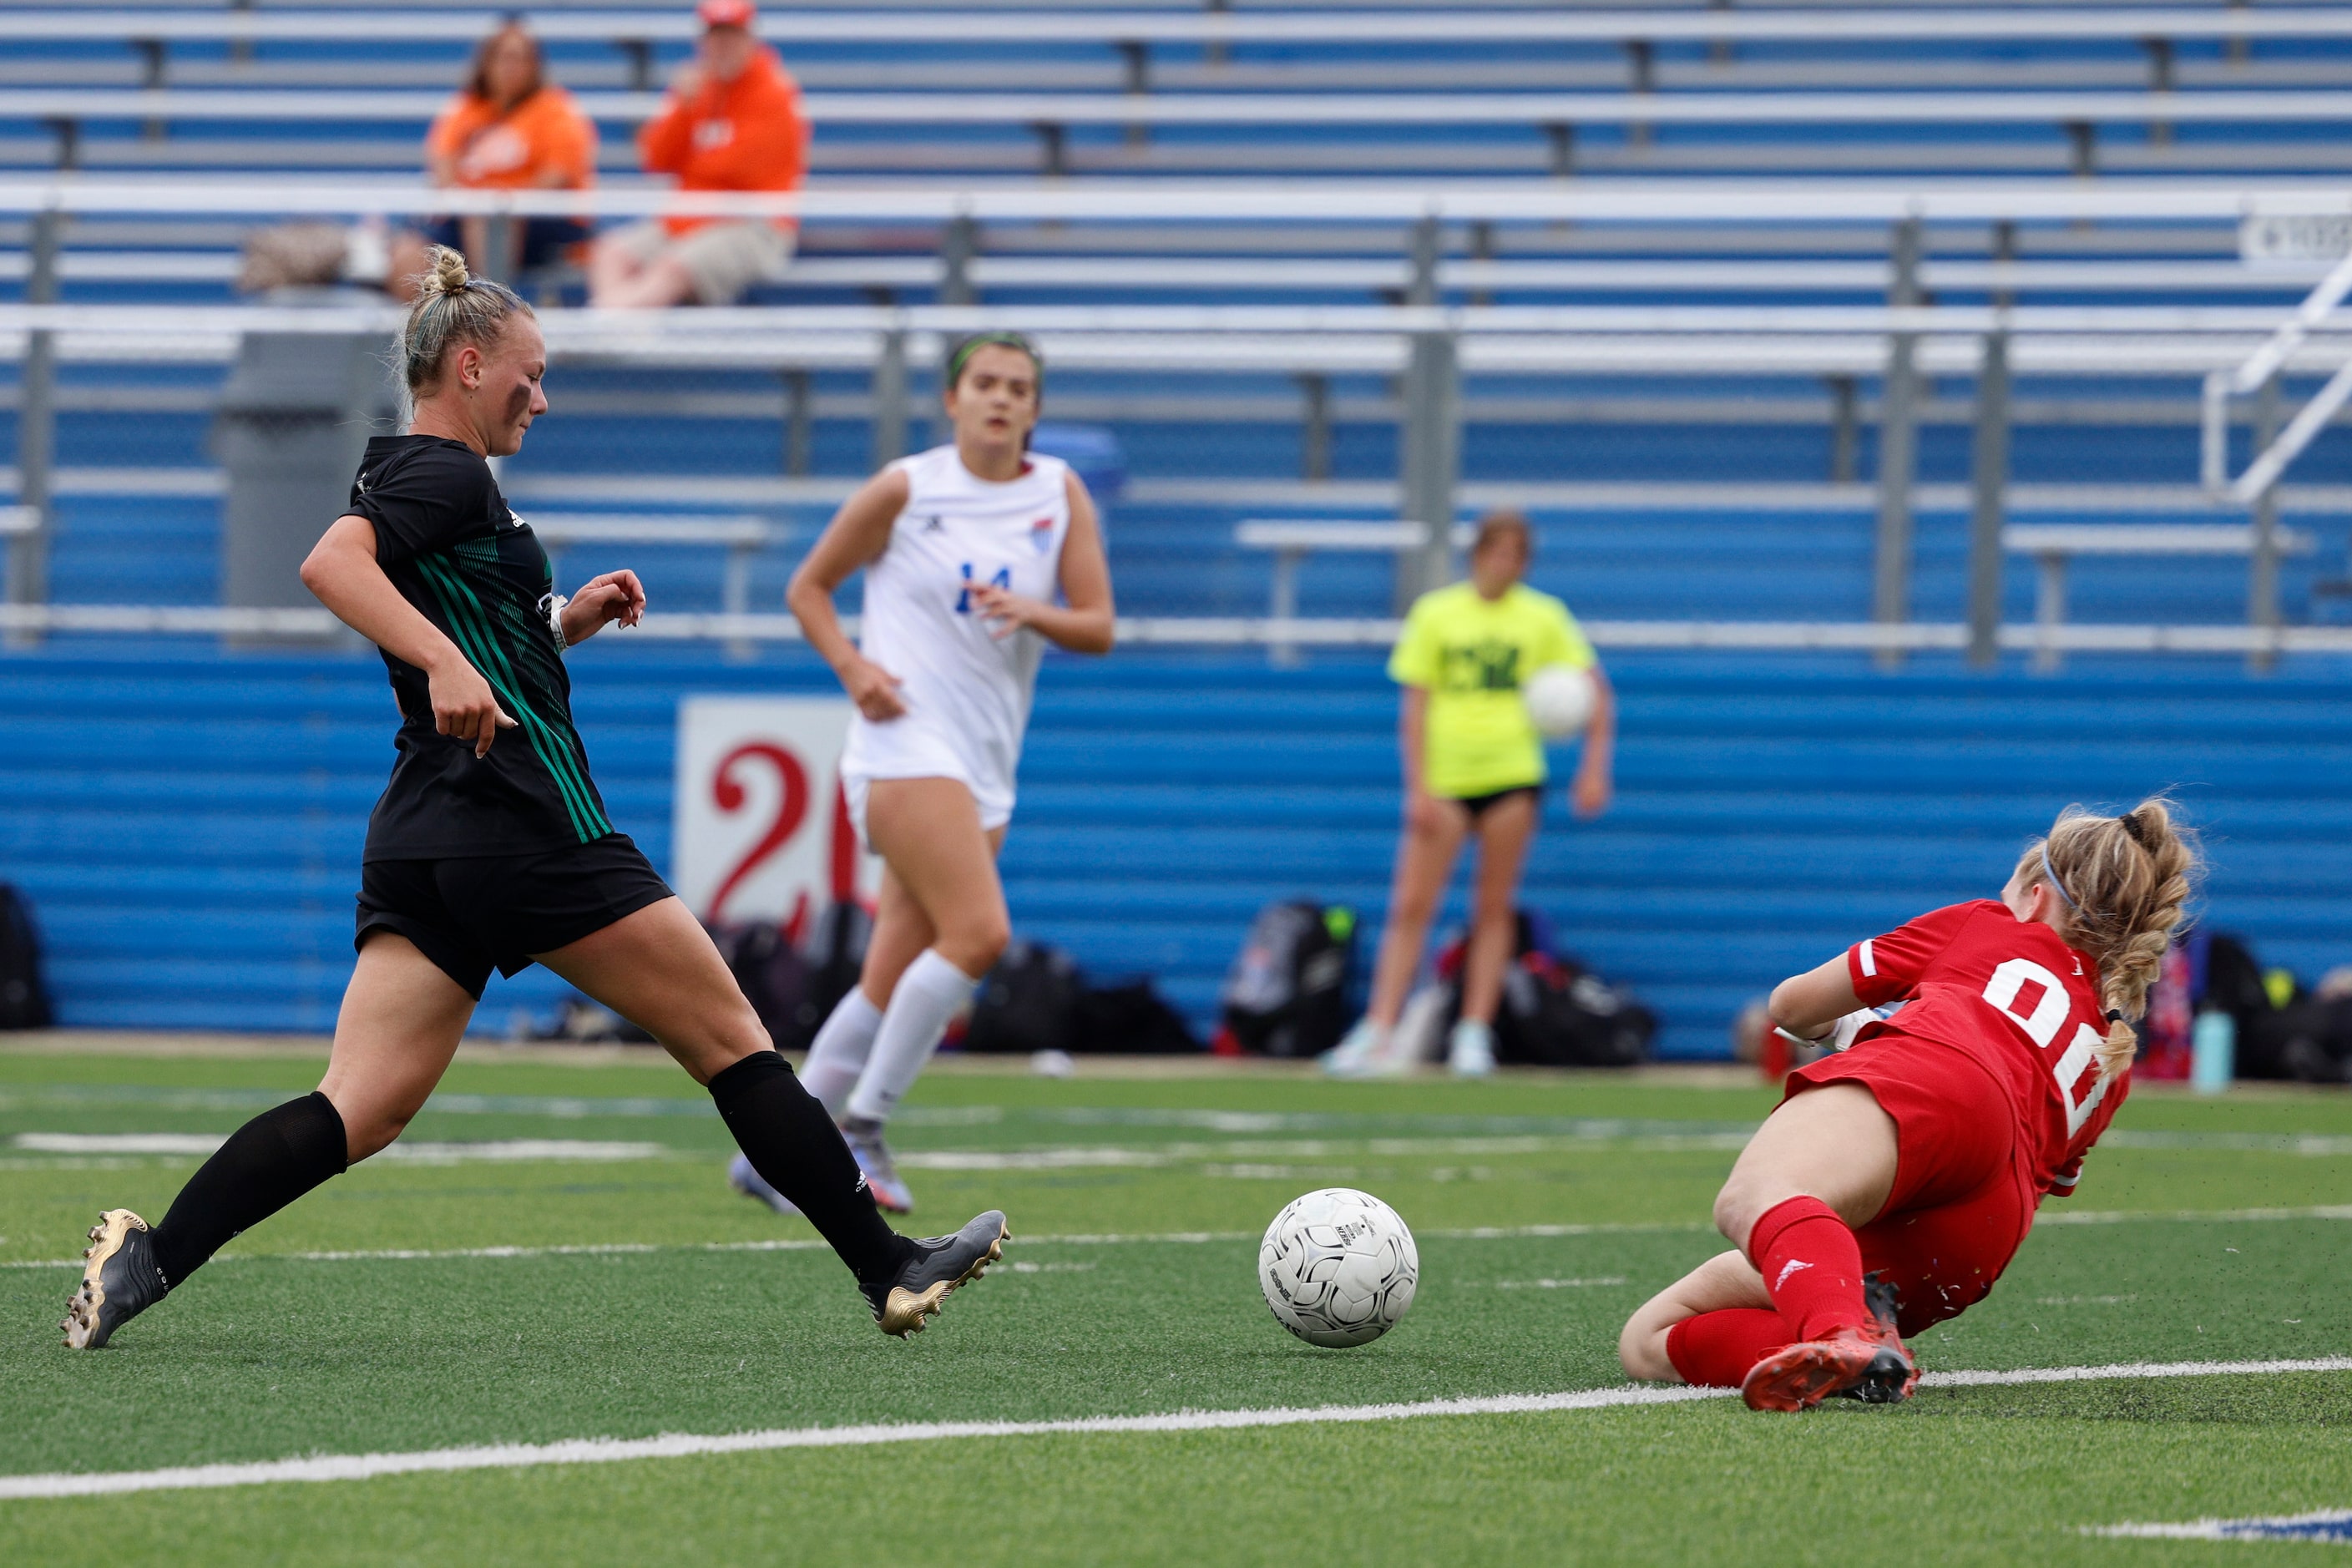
119, 1280
939, 1265
1891, 1377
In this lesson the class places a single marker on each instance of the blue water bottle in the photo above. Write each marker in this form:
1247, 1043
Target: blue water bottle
2212, 1052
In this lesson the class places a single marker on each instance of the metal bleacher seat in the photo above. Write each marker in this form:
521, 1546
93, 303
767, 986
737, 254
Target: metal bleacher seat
1058, 90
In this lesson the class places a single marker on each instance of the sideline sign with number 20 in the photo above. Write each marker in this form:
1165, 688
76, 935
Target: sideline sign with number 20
758, 831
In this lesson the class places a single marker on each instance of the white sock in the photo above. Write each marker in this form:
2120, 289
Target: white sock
927, 995
839, 1052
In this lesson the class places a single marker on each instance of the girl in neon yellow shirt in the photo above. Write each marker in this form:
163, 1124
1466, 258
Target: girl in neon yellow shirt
1473, 764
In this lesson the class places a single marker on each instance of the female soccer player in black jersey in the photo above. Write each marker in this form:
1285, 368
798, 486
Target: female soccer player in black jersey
490, 848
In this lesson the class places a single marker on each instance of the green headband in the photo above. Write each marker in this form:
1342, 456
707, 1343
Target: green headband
979, 341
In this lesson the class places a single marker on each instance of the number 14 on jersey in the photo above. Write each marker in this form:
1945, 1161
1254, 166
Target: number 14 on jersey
1003, 578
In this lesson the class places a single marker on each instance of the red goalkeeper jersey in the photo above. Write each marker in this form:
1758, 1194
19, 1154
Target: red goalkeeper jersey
2013, 996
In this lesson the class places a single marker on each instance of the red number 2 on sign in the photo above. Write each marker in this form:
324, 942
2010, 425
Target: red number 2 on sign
727, 794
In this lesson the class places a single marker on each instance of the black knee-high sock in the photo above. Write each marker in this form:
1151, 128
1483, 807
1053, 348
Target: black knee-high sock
790, 1140
265, 1164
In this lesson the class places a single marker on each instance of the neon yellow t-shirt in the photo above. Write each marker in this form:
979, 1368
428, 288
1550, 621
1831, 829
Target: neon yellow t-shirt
1472, 655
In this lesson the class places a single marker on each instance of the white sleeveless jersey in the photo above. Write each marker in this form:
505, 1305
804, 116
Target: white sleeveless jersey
967, 691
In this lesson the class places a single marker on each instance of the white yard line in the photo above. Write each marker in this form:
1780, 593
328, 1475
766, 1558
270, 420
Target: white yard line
2061, 1214
671, 1445
202, 1144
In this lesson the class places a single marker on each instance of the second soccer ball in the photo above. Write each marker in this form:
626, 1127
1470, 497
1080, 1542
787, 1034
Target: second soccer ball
1560, 700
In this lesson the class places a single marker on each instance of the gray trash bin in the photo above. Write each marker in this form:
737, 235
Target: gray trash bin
295, 417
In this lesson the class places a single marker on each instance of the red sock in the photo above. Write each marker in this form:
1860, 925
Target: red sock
1714, 1350
1812, 1264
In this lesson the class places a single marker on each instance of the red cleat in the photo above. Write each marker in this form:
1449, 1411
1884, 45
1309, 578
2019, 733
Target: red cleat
1866, 1361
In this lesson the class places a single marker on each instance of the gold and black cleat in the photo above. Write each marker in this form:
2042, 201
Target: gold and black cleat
941, 1264
120, 1280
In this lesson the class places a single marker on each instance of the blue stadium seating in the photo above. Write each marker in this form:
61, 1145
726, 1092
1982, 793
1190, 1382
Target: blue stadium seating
189, 822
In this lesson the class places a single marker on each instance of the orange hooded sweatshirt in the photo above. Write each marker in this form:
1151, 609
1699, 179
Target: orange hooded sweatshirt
743, 135
545, 135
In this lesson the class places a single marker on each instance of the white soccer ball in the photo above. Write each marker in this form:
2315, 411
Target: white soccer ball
1560, 700
1338, 1268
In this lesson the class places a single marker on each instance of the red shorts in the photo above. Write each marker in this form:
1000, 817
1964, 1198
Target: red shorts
1962, 1202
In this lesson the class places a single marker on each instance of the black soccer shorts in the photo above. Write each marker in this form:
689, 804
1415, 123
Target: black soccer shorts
474, 913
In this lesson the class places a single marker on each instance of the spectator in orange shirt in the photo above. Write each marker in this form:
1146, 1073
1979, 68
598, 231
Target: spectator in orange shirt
733, 123
510, 128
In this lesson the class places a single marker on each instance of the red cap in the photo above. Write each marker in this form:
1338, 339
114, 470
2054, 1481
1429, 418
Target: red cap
727, 13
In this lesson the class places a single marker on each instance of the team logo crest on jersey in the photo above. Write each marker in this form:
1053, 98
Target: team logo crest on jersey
1041, 534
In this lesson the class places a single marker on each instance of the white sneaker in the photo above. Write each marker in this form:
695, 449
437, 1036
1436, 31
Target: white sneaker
1362, 1053
1470, 1052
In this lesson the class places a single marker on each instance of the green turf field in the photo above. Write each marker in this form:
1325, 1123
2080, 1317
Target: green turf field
630, 1294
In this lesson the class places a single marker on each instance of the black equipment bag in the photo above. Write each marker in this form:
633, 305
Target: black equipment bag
2233, 980
795, 989
24, 999
832, 955
1287, 994
1028, 1003
1556, 1013
1133, 1018
775, 980
2309, 1041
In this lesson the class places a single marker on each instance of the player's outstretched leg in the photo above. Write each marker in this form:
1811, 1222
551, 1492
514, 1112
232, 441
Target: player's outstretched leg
658, 969
400, 1023
1822, 1162
265, 1164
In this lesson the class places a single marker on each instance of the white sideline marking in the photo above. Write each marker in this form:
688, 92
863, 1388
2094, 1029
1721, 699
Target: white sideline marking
670, 1446
1034, 1159
2313, 1145
419, 1254
116, 1142
204, 1144
2328, 1524
2132, 1369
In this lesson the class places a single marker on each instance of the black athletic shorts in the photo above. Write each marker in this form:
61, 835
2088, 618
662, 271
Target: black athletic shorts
472, 914
1479, 806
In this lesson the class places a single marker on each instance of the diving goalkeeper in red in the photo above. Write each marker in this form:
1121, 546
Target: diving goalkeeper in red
1898, 1177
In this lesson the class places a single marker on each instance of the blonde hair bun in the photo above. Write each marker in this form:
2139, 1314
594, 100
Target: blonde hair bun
452, 307
445, 271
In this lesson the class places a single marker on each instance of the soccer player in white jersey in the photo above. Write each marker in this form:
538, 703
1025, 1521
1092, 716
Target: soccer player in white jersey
976, 556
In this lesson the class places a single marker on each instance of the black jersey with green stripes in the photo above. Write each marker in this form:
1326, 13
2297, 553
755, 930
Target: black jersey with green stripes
446, 537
